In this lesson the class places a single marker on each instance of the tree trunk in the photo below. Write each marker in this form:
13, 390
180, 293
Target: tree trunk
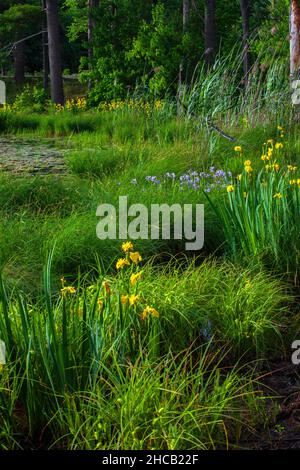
45, 49
185, 14
19, 64
57, 92
245, 19
91, 25
19, 59
295, 39
185, 19
210, 31
92, 4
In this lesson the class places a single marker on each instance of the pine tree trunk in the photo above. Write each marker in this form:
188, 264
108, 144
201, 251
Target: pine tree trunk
245, 19
19, 59
185, 19
45, 48
57, 92
19, 64
91, 24
92, 4
210, 31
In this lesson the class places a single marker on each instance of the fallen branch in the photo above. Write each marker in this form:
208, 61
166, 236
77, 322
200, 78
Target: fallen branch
210, 125
213, 127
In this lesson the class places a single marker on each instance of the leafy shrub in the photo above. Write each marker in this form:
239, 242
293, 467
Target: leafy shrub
32, 98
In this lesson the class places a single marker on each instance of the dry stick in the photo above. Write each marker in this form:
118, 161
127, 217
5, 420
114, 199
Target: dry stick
211, 126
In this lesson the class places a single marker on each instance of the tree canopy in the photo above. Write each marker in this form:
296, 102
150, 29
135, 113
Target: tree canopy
139, 45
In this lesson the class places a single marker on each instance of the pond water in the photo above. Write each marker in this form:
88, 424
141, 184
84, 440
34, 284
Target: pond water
31, 156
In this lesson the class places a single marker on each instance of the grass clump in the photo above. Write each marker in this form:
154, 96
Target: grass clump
243, 307
260, 217
110, 346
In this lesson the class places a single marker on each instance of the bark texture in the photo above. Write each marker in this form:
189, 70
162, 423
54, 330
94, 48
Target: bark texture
45, 48
92, 4
19, 63
210, 31
295, 39
57, 92
185, 19
245, 12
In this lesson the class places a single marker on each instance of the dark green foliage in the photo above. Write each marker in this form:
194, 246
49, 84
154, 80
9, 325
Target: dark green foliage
138, 45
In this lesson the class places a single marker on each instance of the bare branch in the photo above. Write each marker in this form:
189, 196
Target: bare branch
210, 125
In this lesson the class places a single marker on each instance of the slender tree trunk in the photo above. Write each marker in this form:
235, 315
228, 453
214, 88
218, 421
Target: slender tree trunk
210, 31
114, 8
246, 56
295, 40
92, 4
91, 24
19, 64
185, 19
45, 48
57, 92
185, 13
19, 58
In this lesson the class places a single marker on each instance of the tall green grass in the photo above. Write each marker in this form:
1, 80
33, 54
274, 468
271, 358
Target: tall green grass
84, 370
178, 403
261, 218
160, 382
220, 94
